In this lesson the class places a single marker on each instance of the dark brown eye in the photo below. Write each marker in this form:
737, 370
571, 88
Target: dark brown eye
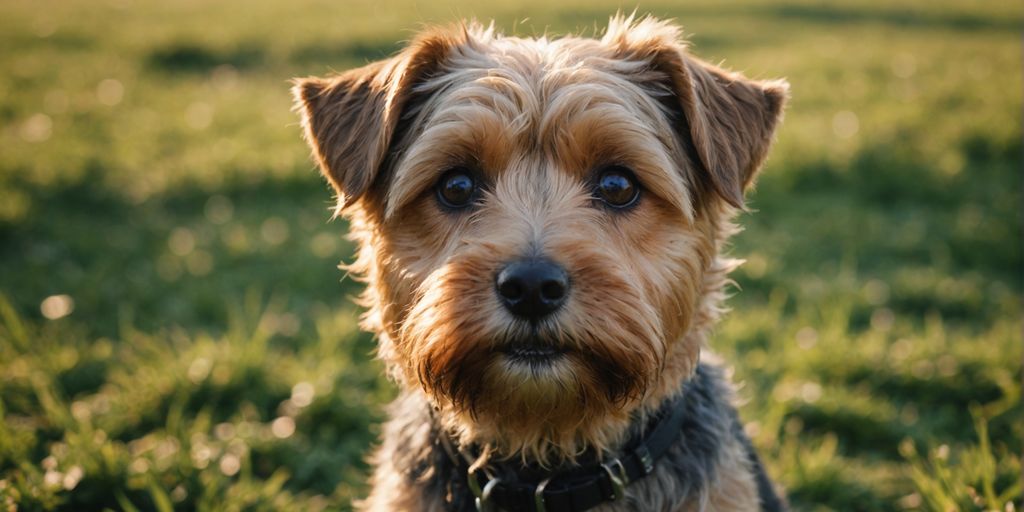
617, 187
456, 188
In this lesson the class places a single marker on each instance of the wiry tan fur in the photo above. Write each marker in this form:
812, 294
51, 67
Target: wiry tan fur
537, 118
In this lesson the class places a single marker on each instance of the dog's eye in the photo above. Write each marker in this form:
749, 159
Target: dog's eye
617, 187
456, 188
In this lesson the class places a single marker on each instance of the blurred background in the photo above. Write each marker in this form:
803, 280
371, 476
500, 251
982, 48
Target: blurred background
174, 334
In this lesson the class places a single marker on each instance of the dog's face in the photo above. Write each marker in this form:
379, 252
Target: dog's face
539, 220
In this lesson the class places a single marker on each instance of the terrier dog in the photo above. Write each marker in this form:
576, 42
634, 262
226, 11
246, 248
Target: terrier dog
540, 225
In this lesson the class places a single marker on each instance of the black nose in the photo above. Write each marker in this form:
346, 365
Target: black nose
532, 288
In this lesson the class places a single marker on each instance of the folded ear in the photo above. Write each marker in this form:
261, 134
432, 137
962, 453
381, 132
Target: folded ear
729, 120
732, 121
350, 119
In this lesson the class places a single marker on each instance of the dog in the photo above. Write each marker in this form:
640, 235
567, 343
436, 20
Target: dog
540, 224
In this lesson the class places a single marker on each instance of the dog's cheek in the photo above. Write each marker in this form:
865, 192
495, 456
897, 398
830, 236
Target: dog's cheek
669, 257
622, 348
407, 249
609, 320
449, 332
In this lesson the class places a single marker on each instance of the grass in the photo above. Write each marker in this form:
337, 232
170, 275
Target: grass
174, 336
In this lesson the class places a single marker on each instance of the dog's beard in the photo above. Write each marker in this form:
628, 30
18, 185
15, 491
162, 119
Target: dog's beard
596, 356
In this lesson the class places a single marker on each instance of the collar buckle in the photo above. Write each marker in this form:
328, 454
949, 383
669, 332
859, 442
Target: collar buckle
617, 474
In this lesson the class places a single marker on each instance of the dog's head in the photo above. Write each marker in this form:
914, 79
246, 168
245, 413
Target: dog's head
540, 220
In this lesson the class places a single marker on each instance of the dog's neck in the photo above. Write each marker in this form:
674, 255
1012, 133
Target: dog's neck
686, 431
668, 417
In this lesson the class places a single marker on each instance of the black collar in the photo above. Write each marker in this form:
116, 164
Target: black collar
578, 489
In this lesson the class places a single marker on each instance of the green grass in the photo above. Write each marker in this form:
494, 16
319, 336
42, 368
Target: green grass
152, 172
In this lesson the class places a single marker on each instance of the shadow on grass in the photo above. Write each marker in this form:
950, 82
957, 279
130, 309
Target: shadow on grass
165, 262
819, 14
831, 14
193, 58
197, 59
893, 203
343, 53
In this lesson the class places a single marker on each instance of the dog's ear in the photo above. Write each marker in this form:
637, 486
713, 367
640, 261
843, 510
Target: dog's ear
728, 120
350, 119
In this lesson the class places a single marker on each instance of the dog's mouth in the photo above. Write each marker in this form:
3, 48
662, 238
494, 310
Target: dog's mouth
532, 350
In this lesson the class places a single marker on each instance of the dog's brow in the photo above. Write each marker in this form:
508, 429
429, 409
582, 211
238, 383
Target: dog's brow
586, 126
464, 136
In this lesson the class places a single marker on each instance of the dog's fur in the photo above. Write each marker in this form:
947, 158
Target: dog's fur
536, 118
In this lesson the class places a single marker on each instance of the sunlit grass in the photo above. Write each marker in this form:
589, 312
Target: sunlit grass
151, 421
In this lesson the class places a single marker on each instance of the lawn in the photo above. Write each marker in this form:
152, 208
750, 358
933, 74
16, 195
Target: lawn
175, 335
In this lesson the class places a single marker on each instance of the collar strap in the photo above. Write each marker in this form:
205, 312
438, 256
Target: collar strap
583, 488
